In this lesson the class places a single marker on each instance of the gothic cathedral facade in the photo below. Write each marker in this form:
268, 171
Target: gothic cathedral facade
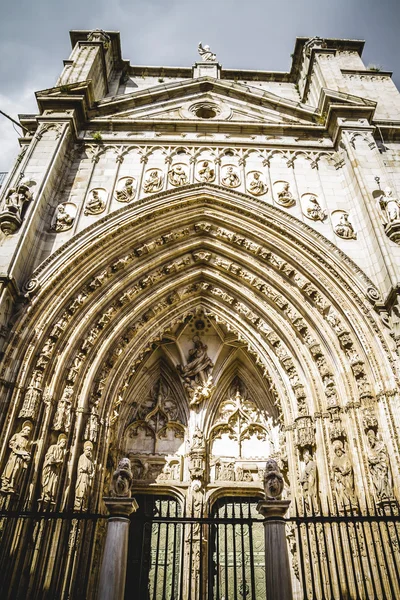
200, 270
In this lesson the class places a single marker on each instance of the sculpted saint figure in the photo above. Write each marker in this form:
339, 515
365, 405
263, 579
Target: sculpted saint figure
95, 204
199, 365
343, 476
285, 196
379, 466
309, 482
206, 173
256, 186
314, 210
52, 467
122, 479
18, 459
205, 53
154, 182
127, 192
62, 418
32, 397
344, 228
16, 198
273, 481
231, 178
390, 204
177, 175
85, 474
64, 220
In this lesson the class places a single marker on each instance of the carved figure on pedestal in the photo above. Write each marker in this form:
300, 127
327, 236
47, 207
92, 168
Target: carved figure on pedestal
309, 482
273, 481
390, 205
284, 195
196, 374
62, 418
18, 459
177, 175
313, 209
122, 479
205, 53
96, 203
231, 178
32, 397
125, 190
343, 476
85, 474
153, 182
51, 468
344, 228
256, 185
92, 425
206, 173
15, 200
379, 467
65, 216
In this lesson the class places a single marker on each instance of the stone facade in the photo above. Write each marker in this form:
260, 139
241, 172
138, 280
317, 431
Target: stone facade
200, 270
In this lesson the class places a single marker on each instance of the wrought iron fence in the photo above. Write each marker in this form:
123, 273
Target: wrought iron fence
203, 553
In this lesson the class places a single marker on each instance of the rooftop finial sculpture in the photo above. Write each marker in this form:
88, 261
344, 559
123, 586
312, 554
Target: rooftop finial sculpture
206, 54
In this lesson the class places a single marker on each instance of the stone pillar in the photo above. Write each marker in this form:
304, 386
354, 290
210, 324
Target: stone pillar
273, 509
113, 566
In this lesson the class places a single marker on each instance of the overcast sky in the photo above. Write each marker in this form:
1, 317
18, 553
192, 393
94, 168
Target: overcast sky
253, 34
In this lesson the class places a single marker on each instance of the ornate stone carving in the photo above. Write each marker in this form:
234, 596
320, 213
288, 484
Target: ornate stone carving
343, 476
153, 181
92, 424
343, 228
51, 469
62, 418
16, 198
312, 208
65, 216
390, 206
122, 479
379, 467
273, 481
284, 196
197, 452
125, 190
85, 474
305, 433
196, 374
309, 482
177, 175
256, 184
32, 397
206, 172
96, 203
230, 178
205, 53
17, 461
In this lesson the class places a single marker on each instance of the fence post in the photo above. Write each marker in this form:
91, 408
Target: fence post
273, 509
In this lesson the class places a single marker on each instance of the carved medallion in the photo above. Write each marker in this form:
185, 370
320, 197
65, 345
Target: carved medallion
230, 177
205, 171
283, 195
125, 190
96, 202
342, 225
256, 183
178, 175
64, 217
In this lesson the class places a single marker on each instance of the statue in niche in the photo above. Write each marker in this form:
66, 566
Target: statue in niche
85, 474
273, 481
74, 369
344, 228
16, 198
379, 467
205, 53
95, 204
343, 476
51, 469
231, 178
92, 425
32, 397
309, 482
177, 175
18, 459
62, 418
153, 182
256, 185
206, 173
198, 442
64, 219
314, 210
122, 479
45, 354
126, 190
224, 471
390, 205
285, 196
196, 374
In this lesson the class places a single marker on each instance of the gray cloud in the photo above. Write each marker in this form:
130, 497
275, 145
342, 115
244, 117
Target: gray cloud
254, 34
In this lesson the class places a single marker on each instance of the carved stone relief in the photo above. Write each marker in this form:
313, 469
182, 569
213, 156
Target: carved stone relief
64, 216
11, 214
125, 190
256, 183
283, 195
96, 202
18, 460
342, 226
196, 374
312, 209
84, 479
178, 174
153, 181
229, 176
205, 171
53, 461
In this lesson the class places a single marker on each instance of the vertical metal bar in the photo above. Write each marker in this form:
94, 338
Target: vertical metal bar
364, 576
226, 555
385, 558
392, 554
343, 555
235, 583
244, 583
333, 538
354, 570
217, 558
201, 552
375, 557
190, 555
319, 579
328, 561
301, 554
157, 556
164, 597
174, 552
309, 548
251, 549
182, 551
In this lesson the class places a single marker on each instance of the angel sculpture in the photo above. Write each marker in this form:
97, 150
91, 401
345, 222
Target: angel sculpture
205, 53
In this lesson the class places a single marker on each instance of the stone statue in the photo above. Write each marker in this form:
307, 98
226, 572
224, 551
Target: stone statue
206, 173
122, 479
18, 459
196, 374
95, 204
32, 397
309, 482
52, 467
285, 196
62, 418
177, 175
273, 481
344, 228
379, 467
205, 53
16, 198
92, 425
127, 191
314, 210
197, 440
256, 186
64, 220
85, 474
231, 179
153, 182
343, 476
390, 205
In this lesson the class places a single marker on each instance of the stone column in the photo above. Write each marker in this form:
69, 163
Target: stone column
113, 566
273, 509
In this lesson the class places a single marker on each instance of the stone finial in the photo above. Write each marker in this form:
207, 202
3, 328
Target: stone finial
122, 480
273, 481
205, 53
